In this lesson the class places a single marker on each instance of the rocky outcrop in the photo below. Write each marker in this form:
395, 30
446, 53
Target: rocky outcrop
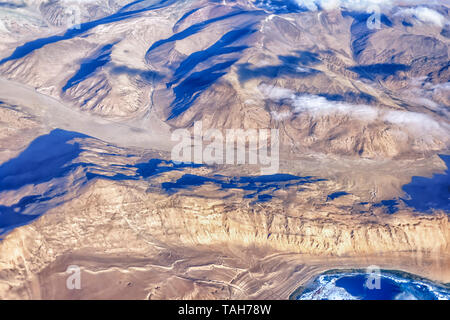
115, 219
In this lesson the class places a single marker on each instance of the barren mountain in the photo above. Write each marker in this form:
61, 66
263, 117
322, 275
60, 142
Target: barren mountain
90, 92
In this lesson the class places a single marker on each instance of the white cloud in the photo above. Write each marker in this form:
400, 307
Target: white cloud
316, 105
424, 15
441, 87
77, 1
310, 4
276, 93
349, 4
304, 70
330, 5
319, 106
364, 5
281, 116
411, 120
417, 124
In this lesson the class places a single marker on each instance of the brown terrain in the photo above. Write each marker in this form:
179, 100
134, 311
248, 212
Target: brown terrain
85, 171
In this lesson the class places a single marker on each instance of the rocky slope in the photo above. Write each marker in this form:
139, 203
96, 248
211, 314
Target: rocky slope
86, 176
162, 230
386, 86
151, 244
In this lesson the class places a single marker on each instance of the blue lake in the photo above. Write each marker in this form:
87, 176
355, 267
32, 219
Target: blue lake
358, 285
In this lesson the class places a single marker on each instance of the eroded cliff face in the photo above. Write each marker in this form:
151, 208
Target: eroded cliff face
86, 120
292, 224
139, 226
124, 221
